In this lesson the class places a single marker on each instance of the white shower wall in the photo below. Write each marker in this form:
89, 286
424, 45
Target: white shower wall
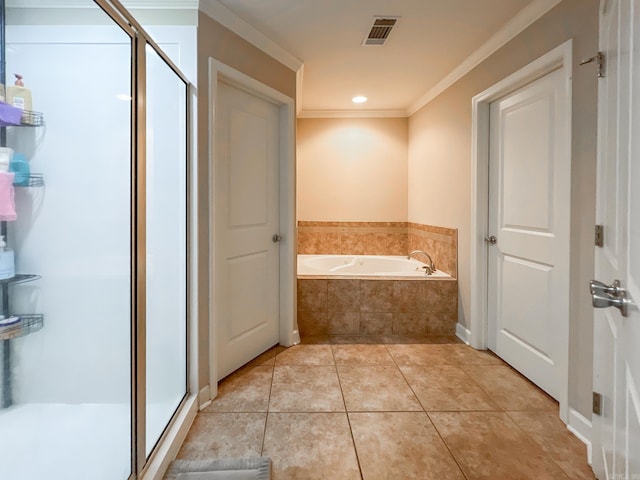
75, 231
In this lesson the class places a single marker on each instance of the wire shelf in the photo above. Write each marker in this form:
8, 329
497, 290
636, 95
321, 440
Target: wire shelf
26, 325
20, 278
35, 180
31, 119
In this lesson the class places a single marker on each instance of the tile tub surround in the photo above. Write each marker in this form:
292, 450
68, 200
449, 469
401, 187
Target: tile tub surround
373, 307
352, 238
439, 242
380, 238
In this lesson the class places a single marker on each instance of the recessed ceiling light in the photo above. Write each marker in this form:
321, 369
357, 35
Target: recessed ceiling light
359, 99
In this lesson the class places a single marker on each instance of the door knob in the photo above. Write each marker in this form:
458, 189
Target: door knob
604, 296
276, 238
491, 240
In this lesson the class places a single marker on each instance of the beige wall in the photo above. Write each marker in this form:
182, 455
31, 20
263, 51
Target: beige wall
440, 165
352, 169
216, 41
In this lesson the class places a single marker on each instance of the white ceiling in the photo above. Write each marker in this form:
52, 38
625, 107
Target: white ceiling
429, 41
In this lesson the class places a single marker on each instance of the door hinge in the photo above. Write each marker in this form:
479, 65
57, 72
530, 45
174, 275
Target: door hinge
599, 236
600, 60
597, 404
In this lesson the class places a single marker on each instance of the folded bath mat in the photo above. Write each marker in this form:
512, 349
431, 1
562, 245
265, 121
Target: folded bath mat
252, 468
223, 475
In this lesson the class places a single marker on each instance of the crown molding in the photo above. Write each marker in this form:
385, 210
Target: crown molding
134, 4
237, 25
513, 27
352, 114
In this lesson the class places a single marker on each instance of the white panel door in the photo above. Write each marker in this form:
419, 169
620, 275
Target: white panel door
246, 218
616, 432
529, 179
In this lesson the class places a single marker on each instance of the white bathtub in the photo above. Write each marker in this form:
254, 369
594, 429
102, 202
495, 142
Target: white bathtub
363, 266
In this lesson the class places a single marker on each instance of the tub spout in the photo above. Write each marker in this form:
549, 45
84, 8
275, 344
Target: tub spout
429, 269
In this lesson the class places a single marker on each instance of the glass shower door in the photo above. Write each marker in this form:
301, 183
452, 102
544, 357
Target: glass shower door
102, 226
166, 212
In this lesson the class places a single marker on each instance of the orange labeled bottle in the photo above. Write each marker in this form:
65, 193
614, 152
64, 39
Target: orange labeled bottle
18, 95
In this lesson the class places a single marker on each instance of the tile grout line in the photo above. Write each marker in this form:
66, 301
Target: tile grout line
487, 392
500, 408
266, 418
446, 445
459, 363
483, 390
528, 435
346, 412
428, 417
405, 379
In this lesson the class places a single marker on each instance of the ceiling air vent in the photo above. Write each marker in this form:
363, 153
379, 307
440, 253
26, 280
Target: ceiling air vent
380, 31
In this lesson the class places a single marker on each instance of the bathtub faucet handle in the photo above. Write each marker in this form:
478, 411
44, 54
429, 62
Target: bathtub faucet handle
427, 270
432, 265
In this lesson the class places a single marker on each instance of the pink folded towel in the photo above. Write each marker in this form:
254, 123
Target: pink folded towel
7, 200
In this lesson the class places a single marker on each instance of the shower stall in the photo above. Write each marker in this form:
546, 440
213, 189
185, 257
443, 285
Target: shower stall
96, 368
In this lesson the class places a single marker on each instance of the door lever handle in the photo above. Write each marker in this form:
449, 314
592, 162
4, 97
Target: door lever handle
491, 240
604, 301
600, 287
276, 238
604, 296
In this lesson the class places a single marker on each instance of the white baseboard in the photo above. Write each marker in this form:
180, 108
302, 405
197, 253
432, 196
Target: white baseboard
172, 441
581, 428
463, 333
204, 397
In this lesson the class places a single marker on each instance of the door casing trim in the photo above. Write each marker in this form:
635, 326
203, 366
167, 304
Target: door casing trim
559, 57
287, 302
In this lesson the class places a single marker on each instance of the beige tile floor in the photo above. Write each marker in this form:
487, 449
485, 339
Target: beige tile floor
387, 408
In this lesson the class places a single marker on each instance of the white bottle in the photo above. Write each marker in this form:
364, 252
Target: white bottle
6, 155
7, 262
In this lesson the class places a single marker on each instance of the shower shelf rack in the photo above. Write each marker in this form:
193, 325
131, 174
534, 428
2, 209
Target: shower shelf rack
31, 119
35, 180
26, 325
20, 278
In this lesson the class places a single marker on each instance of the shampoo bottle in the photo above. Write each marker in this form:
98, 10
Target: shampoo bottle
18, 96
7, 263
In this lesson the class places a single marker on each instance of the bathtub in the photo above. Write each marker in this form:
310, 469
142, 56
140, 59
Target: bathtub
371, 295
364, 266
